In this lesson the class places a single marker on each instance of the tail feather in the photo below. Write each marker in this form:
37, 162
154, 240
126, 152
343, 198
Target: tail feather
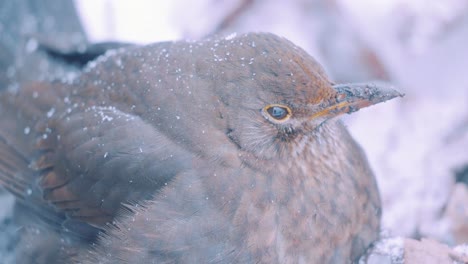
19, 179
12, 170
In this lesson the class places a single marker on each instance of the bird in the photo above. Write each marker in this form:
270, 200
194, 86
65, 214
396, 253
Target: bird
222, 150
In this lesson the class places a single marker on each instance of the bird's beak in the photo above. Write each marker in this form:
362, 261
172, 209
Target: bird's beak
352, 97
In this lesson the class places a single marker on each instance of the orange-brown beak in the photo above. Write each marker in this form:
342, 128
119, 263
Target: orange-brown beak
352, 97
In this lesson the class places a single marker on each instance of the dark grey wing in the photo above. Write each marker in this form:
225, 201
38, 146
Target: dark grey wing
84, 163
95, 160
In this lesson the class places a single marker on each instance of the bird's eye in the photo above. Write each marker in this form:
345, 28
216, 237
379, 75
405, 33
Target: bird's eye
278, 112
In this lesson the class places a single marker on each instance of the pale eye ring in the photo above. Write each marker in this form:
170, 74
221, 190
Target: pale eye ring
278, 112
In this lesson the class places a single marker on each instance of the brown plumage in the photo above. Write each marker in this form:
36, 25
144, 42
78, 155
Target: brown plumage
223, 150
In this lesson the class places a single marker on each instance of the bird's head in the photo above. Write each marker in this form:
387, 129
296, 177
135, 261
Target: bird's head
275, 95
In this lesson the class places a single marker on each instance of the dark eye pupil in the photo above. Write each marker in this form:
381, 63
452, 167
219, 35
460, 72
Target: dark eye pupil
277, 112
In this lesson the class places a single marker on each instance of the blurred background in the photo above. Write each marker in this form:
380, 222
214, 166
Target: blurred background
417, 146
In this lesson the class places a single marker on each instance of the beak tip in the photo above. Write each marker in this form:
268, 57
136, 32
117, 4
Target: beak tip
351, 97
359, 95
382, 91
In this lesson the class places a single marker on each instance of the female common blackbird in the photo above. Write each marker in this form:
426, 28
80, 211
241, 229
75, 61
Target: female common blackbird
223, 150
